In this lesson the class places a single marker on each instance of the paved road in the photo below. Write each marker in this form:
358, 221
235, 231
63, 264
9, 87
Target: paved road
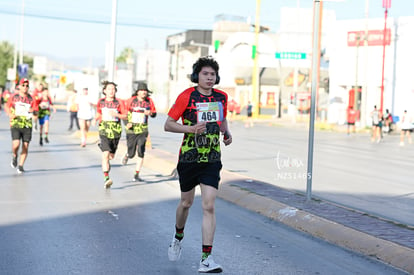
348, 170
57, 219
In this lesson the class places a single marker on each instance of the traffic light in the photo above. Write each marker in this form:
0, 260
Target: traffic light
254, 51
216, 45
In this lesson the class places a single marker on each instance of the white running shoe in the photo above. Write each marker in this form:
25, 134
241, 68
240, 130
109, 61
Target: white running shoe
174, 250
209, 266
125, 159
13, 163
108, 183
20, 170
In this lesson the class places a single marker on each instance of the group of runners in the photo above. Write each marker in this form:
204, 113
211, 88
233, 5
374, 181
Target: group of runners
27, 110
382, 123
202, 111
110, 112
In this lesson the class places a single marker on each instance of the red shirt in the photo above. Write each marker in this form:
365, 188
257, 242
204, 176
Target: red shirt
185, 105
135, 105
352, 114
23, 107
44, 103
104, 107
232, 105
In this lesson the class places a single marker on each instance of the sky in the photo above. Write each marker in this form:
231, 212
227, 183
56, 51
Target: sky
80, 29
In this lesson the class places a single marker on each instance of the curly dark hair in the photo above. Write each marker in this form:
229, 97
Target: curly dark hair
204, 61
105, 83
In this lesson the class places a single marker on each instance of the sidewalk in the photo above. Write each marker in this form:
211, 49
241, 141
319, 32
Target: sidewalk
360, 232
299, 122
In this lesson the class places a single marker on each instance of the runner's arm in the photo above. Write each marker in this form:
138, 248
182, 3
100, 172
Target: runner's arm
153, 111
173, 126
224, 128
8, 109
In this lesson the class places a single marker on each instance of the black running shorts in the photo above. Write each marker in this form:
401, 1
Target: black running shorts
136, 143
24, 134
192, 174
109, 144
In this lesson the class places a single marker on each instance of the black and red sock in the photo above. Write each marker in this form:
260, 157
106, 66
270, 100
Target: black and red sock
179, 233
206, 251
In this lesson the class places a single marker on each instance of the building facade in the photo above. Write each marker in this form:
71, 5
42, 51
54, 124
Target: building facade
356, 54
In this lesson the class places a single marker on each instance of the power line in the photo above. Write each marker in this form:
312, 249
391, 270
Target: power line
90, 21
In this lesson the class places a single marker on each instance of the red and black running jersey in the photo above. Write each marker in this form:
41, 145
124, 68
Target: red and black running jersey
136, 108
109, 125
194, 107
22, 107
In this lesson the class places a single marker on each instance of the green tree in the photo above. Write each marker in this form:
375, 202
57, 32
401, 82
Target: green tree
6, 60
126, 54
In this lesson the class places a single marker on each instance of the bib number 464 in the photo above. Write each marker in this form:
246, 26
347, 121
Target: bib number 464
208, 116
209, 111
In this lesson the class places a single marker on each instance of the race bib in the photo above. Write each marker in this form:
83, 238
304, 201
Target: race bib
106, 114
138, 117
44, 105
22, 109
209, 111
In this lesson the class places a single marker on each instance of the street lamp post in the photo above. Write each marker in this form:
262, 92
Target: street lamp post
385, 4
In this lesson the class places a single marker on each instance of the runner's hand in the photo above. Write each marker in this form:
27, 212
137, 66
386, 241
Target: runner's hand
200, 128
227, 139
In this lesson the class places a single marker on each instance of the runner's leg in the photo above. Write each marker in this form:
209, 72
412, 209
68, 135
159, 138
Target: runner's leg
208, 194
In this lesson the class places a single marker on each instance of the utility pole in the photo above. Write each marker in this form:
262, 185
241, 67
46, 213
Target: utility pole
21, 34
255, 73
112, 43
317, 7
394, 77
296, 69
356, 89
15, 56
385, 4
364, 91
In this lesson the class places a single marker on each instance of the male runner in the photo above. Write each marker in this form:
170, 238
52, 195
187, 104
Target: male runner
109, 113
20, 107
45, 105
203, 112
139, 107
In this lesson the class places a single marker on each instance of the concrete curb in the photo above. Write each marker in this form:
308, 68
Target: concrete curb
388, 252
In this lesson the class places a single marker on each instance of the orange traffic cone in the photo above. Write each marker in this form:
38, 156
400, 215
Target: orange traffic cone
148, 145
